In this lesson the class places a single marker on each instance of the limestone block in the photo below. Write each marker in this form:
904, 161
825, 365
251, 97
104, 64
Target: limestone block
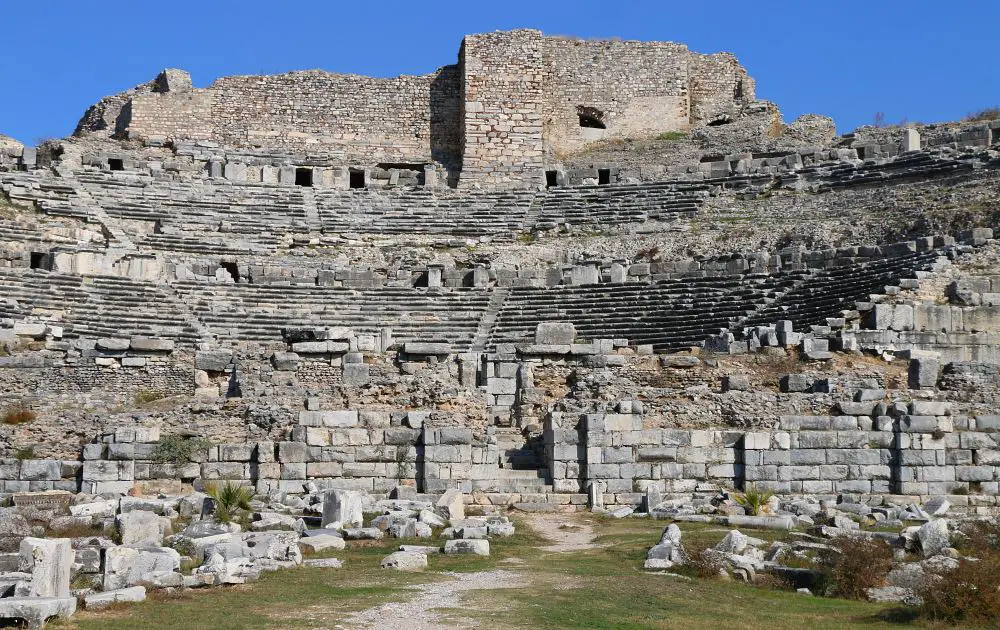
105, 470
355, 374
97, 601
285, 361
213, 360
795, 383
235, 171
113, 344
35, 331
50, 562
40, 470
555, 333
315, 544
451, 505
477, 547
735, 383
125, 566
911, 140
147, 344
405, 561
342, 508
331, 419
923, 373
454, 435
292, 452
35, 611
142, 528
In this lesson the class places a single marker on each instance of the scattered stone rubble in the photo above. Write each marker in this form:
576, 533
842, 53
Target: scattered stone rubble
133, 549
921, 537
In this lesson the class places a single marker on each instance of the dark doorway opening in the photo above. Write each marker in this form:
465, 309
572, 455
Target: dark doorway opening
116, 164
603, 176
718, 122
233, 269
38, 260
590, 117
551, 179
303, 177
357, 179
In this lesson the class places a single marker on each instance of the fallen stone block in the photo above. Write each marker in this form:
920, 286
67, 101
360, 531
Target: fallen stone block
316, 544
342, 508
405, 561
125, 566
143, 529
35, 611
97, 601
50, 562
451, 505
363, 533
477, 547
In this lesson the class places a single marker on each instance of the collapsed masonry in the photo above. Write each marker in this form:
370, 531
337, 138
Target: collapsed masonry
813, 314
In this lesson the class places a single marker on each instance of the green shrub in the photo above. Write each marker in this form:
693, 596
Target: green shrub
858, 565
25, 452
148, 395
232, 501
967, 594
754, 501
178, 449
19, 413
671, 136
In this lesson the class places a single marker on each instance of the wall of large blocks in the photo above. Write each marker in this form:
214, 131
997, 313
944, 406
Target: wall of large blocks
920, 450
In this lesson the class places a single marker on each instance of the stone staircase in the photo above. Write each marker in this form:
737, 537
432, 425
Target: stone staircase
521, 465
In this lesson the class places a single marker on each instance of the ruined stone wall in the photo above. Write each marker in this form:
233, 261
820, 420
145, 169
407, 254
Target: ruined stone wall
640, 87
366, 120
187, 115
503, 95
718, 85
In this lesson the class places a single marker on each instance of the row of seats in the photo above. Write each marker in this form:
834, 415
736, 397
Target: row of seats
94, 307
670, 314
617, 204
421, 211
259, 312
820, 294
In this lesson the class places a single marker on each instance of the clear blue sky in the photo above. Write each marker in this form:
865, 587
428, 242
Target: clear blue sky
920, 60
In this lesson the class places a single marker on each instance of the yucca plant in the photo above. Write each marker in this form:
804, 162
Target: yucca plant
232, 500
755, 502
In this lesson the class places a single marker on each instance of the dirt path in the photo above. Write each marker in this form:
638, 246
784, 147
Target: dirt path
566, 533
419, 613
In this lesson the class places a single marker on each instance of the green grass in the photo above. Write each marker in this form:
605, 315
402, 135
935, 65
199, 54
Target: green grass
597, 588
671, 136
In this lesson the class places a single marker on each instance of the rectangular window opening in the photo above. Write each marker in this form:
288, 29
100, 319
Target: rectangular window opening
551, 179
357, 179
303, 177
38, 260
116, 164
603, 176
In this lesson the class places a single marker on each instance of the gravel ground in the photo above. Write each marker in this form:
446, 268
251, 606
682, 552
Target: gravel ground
419, 612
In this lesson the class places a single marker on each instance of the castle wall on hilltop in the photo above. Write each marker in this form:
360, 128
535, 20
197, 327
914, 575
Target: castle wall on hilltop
516, 101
